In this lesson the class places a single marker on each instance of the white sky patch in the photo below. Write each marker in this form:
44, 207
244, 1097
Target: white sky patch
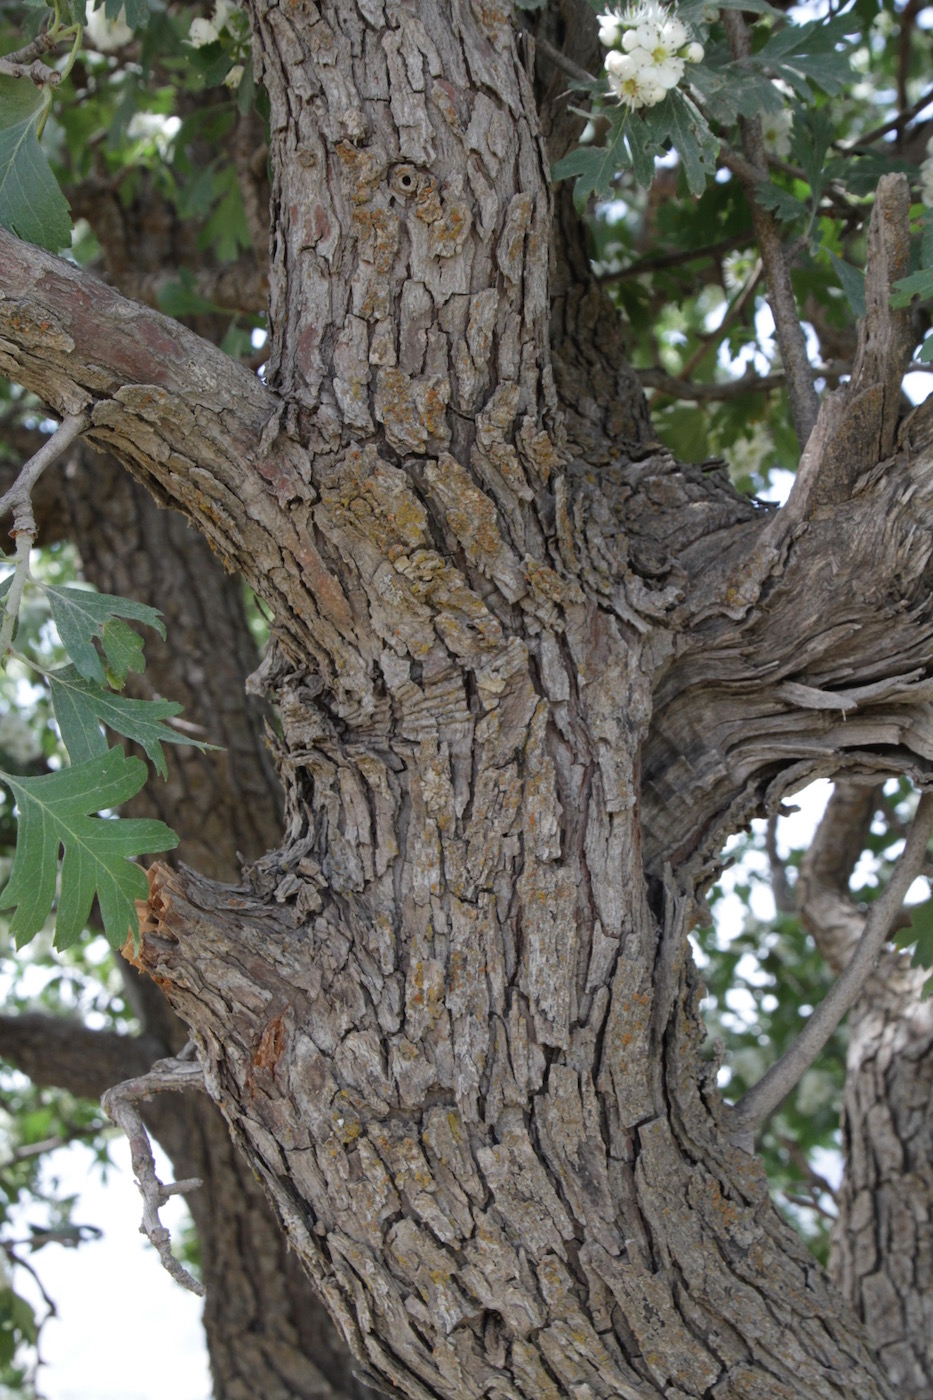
125, 1330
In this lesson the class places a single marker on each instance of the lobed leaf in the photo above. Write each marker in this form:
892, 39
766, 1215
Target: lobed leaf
81, 707
918, 284
56, 812
81, 616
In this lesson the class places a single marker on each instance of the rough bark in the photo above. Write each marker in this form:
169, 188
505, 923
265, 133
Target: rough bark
530, 671
881, 1252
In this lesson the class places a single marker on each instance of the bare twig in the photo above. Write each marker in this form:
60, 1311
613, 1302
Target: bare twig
756, 1106
657, 262
895, 123
37, 71
18, 498
701, 393
119, 1103
561, 61
752, 170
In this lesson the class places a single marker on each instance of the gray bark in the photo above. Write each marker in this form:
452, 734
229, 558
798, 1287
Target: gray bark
530, 672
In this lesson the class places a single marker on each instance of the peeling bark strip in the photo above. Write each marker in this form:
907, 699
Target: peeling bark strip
529, 672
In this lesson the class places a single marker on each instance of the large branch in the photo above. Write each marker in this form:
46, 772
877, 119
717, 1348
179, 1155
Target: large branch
198, 429
65, 1054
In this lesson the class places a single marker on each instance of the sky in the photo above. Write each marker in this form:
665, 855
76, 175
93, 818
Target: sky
125, 1330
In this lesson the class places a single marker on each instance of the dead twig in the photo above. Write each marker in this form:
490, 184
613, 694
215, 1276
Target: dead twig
119, 1103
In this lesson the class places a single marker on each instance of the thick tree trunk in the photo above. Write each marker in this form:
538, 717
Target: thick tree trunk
530, 672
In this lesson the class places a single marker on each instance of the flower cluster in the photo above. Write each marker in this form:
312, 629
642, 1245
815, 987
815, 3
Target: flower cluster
227, 25
649, 50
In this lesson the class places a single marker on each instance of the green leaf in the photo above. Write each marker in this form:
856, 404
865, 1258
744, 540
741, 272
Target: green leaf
81, 615
31, 204
690, 136
182, 298
811, 138
123, 649
595, 167
81, 707
926, 350
852, 282
920, 936
784, 205
136, 12
56, 811
691, 11
731, 91
808, 55
918, 284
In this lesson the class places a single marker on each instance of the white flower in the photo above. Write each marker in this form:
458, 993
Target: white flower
668, 73
202, 32
233, 78
633, 82
610, 28
775, 131
105, 34
650, 52
222, 12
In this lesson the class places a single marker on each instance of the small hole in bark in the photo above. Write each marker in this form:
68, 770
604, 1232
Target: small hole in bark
405, 180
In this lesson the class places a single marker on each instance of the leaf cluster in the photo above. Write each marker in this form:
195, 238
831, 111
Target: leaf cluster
69, 810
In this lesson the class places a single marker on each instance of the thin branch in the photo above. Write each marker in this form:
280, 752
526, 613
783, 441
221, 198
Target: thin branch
756, 1106
561, 61
734, 312
19, 500
784, 899
42, 43
19, 497
37, 71
804, 401
659, 261
701, 393
895, 123
119, 1103
799, 1158
908, 20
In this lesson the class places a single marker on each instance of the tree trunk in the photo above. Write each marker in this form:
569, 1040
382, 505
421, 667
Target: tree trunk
530, 673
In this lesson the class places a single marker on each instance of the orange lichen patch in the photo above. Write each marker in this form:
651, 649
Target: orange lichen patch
538, 450
447, 235
271, 1045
